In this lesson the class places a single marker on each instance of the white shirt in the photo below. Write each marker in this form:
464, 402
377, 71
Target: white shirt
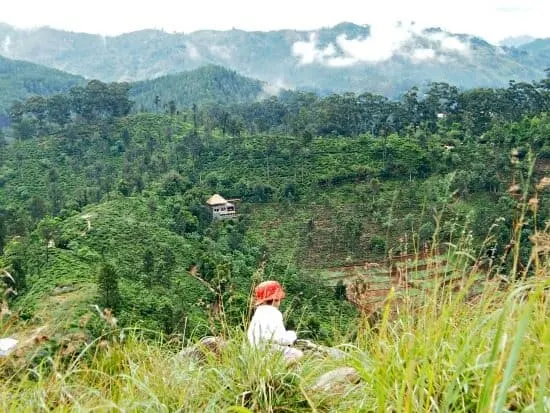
267, 325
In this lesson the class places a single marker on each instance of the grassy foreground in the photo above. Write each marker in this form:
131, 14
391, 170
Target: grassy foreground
486, 354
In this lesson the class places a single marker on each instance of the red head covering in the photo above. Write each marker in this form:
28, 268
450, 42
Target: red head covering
268, 290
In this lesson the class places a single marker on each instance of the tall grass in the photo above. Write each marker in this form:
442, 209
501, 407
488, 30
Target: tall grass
449, 354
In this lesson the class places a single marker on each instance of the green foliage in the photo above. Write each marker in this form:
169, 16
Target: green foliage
20, 80
131, 190
209, 84
107, 281
448, 354
97, 100
378, 244
109, 211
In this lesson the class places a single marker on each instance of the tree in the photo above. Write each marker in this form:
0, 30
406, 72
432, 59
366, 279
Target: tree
48, 229
124, 187
174, 184
340, 291
55, 191
17, 111
97, 102
235, 239
172, 108
109, 294
15, 254
290, 192
37, 106
148, 262
118, 102
3, 145
59, 109
3, 231
156, 102
37, 208
77, 97
404, 157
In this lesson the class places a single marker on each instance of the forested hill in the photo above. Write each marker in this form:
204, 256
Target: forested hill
346, 57
99, 206
209, 84
19, 80
206, 85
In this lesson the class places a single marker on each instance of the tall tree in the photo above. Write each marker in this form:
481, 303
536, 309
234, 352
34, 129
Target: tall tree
109, 293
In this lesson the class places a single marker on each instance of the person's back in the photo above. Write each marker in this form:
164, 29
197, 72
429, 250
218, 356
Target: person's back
266, 326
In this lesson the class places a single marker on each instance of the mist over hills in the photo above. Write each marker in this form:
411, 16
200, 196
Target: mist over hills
346, 57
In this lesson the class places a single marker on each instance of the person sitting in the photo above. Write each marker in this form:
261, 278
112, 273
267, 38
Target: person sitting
266, 326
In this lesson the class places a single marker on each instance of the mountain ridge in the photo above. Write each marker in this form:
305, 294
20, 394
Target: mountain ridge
344, 57
209, 84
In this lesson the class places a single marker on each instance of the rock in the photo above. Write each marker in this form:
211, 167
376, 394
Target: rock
63, 289
291, 355
337, 380
198, 352
319, 350
7, 345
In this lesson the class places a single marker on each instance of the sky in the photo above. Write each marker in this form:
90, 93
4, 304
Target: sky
491, 19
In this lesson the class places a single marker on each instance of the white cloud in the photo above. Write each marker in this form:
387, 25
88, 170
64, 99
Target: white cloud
341, 61
274, 88
6, 44
384, 42
448, 43
192, 51
222, 52
420, 55
308, 51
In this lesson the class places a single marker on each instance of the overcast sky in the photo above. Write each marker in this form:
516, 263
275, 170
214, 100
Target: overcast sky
490, 19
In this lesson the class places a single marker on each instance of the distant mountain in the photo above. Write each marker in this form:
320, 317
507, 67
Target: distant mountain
208, 84
346, 57
539, 47
516, 41
19, 80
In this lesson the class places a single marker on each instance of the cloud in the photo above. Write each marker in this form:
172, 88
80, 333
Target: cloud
383, 43
192, 51
419, 55
513, 9
223, 52
308, 51
6, 44
448, 43
274, 88
342, 61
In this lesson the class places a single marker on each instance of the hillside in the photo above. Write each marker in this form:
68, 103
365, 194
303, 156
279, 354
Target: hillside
167, 94
411, 234
346, 57
329, 195
209, 84
19, 80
